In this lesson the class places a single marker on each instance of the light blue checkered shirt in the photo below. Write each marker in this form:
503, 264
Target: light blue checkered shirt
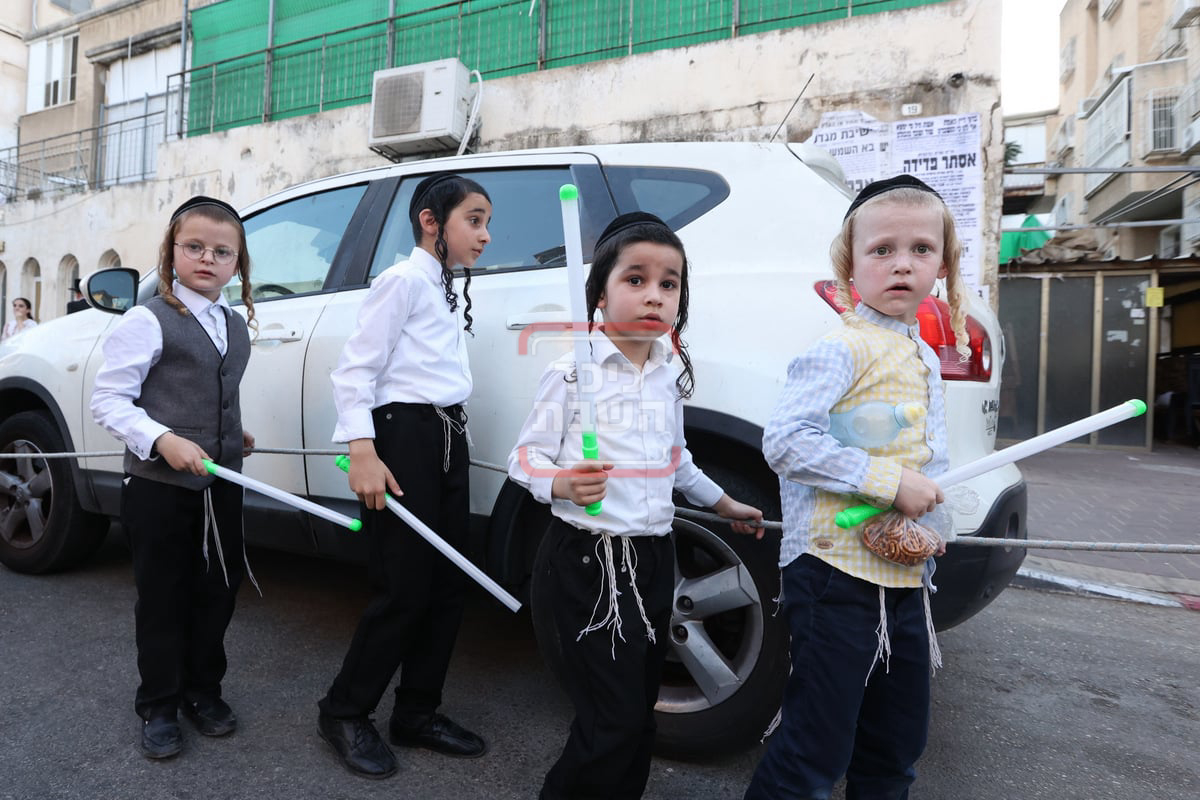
797, 443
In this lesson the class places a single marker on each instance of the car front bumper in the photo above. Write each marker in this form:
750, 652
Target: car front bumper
968, 578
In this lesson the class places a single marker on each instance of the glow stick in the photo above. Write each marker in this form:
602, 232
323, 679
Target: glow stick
576, 282
442, 546
283, 497
855, 515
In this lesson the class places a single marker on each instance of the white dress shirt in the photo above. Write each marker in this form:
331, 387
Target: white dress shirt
133, 347
407, 347
639, 420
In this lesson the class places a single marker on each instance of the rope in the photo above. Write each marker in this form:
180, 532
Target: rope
706, 516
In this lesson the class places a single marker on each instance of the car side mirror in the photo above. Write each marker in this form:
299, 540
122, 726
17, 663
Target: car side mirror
112, 290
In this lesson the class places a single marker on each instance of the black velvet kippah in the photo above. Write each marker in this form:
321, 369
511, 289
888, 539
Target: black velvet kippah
201, 200
876, 188
627, 221
423, 189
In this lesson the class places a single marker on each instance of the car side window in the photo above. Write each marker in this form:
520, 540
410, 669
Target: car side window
675, 195
292, 244
526, 224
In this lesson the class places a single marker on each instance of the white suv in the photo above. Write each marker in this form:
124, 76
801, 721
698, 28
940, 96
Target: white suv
757, 221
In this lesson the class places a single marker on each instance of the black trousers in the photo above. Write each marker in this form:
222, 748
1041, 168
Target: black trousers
412, 620
613, 687
183, 604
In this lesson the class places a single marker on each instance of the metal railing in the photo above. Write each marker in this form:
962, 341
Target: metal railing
93, 158
498, 39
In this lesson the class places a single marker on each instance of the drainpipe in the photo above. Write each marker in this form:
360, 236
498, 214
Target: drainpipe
183, 41
391, 36
267, 65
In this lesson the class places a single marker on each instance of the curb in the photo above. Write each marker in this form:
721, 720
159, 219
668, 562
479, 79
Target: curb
1030, 578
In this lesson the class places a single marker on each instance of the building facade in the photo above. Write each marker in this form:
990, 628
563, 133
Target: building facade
266, 103
1110, 308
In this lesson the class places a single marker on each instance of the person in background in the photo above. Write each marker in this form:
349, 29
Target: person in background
77, 302
22, 319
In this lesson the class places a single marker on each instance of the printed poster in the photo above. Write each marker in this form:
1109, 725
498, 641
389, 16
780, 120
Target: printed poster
945, 152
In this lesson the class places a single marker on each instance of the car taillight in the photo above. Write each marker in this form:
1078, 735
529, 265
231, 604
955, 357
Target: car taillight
933, 317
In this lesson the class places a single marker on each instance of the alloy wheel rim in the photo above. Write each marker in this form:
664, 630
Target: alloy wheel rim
716, 629
26, 488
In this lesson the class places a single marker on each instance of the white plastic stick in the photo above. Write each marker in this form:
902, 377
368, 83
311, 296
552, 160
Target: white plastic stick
1073, 430
283, 497
576, 283
856, 515
443, 547
586, 379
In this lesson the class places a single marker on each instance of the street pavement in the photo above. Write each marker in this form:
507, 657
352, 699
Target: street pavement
1099, 495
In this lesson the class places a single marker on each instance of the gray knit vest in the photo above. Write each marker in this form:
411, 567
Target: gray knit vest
194, 392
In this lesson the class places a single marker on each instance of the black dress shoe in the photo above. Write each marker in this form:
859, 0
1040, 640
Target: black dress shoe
436, 732
160, 736
212, 716
359, 745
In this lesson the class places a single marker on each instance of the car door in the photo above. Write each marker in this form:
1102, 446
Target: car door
520, 303
293, 244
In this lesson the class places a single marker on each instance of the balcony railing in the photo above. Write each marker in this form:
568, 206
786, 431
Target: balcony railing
117, 152
1107, 134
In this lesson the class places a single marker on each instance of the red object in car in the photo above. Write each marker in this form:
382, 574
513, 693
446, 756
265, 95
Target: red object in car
933, 317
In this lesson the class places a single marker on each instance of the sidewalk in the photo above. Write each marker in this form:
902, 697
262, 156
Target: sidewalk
1116, 496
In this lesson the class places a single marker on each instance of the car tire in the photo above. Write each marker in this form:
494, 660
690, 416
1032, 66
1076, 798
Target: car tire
739, 652
42, 527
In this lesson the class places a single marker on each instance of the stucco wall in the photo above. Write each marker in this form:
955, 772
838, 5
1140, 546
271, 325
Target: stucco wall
738, 89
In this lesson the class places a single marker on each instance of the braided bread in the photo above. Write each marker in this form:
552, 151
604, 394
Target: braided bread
896, 538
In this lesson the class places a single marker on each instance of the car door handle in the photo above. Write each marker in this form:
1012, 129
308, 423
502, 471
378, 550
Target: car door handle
518, 321
276, 333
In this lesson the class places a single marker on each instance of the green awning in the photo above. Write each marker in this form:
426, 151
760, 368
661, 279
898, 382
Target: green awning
1013, 244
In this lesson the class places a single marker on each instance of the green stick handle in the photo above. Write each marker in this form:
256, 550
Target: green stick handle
591, 452
856, 515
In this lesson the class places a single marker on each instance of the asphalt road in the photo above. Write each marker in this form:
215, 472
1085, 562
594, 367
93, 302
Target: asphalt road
1043, 696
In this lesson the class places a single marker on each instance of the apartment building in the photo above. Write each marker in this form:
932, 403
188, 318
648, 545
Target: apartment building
252, 96
1110, 309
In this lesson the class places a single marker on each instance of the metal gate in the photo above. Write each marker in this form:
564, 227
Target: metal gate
1077, 343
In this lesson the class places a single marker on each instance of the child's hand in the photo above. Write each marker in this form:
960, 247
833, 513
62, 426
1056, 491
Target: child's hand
182, 454
917, 494
583, 484
369, 477
745, 519
247, 443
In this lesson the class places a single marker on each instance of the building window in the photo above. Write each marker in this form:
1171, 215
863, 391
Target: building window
53, 68
1160, 134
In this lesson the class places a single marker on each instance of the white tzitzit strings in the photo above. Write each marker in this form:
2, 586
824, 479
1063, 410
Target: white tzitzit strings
608, 570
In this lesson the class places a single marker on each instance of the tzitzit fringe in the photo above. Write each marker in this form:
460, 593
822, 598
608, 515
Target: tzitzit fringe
447, 426
608, 571
210, 522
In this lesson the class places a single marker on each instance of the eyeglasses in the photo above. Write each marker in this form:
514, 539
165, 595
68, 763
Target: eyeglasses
195, 251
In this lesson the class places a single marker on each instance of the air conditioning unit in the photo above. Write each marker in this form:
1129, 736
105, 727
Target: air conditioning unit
1085, 107
420, 108
1189, 138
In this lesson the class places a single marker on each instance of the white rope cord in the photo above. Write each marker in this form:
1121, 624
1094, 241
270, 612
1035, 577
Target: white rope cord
705, 516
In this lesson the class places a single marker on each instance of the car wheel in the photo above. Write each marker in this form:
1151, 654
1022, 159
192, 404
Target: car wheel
728, 661
42, 527
727, 664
